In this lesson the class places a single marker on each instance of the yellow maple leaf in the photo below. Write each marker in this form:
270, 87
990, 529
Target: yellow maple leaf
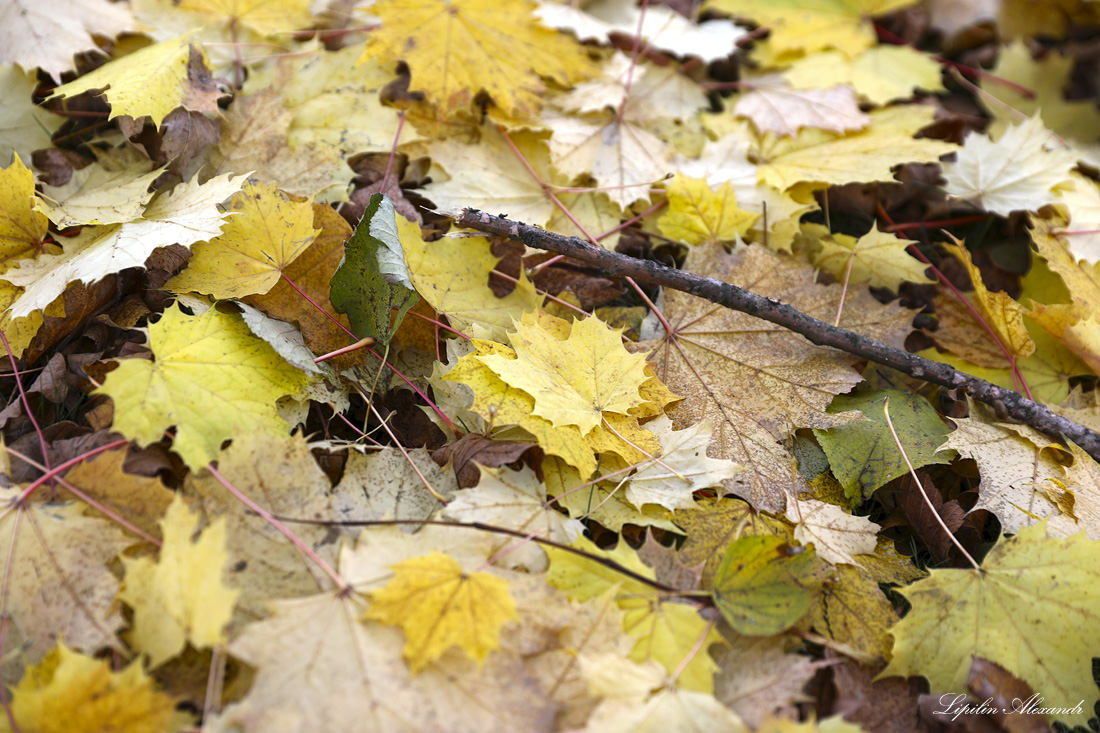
804, 26
455, 49
881, 74
821, 157
439, 605
1014, 612
500, 404
876, 257
266, 17
152, 81
249, 256
697, 213
180, 598
68, 692
211, 377
573, 382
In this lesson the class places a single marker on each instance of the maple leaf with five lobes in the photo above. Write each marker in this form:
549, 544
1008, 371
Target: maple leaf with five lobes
684, 467
1016, 173
187, 214
440, 605
877, 257
268, 232
479, 43
1015, 612
211, 377
698, 214
754, 381
576, 380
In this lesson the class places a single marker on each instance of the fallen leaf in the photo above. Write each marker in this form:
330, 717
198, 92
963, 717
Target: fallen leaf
181, 598
210, 377
1012, 613
68, 691
438, 605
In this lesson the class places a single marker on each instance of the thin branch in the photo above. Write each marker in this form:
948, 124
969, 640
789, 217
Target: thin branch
769, 309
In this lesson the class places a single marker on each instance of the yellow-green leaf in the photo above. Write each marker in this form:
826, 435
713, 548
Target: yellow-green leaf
1033, 608
211, 376
764, 585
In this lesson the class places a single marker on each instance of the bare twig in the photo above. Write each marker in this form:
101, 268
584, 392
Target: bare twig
823, 334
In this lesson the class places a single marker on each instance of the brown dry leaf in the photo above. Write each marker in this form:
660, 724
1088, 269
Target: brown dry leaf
757, 382
383, 485
254, 140
920, 517
472, 449
758, 678
281, 476
59, 580
139, 500
884, 705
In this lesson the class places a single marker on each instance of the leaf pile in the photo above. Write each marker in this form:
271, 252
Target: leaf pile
283, 452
